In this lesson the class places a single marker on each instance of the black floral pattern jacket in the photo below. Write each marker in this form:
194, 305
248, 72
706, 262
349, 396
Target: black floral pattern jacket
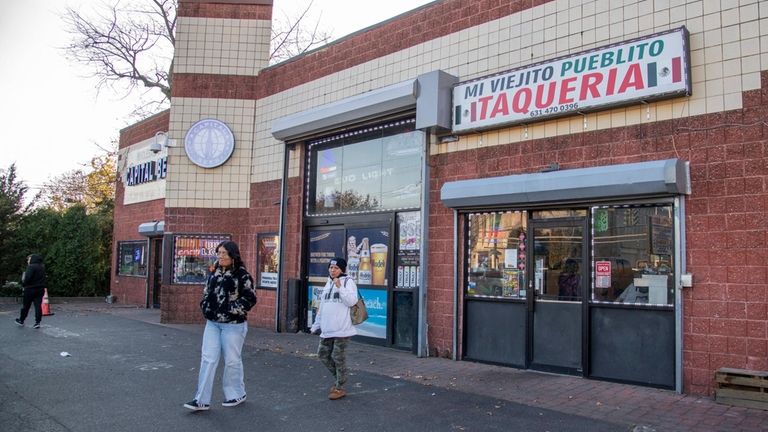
228, 295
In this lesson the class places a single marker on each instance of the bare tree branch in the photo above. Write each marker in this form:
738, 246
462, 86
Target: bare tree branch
294, 36
128, 45
131, 45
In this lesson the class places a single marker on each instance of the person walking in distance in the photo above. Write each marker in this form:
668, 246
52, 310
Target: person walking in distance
34, 282
227, 297
334, 323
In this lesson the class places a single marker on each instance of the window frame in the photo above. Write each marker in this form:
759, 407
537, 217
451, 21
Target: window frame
120, 256
671, 273
259, 268
401, 126
522, 255
216, 239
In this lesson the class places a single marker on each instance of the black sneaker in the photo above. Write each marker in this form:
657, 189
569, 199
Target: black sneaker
195, 406
19, 322
233, 402
37, 325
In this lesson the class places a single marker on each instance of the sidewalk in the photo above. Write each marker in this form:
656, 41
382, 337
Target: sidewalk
646, 408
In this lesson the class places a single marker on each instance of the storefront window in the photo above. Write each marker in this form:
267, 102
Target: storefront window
194, 257
268, 260
132, 258
632, 255
371, 169
496, 255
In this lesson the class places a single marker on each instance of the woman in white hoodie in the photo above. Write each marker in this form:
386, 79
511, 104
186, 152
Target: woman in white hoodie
334, 323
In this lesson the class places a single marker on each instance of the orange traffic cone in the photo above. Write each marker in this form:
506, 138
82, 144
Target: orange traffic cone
46, 307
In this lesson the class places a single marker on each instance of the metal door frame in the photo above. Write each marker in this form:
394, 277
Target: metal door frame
578, 221
156, 254
345, 223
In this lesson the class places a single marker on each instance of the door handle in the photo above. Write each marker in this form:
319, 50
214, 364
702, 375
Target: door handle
531, 296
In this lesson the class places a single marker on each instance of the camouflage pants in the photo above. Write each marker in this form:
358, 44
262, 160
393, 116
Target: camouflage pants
333, 353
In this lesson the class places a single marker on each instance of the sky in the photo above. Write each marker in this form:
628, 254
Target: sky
52, 116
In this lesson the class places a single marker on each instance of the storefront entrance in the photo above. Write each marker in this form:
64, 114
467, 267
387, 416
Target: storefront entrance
373, 254
580, 291
555, 304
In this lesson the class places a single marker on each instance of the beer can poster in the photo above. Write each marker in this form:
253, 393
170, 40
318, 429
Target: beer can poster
367, 254
410, 230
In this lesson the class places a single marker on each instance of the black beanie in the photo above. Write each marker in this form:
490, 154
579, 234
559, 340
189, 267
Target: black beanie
341, 263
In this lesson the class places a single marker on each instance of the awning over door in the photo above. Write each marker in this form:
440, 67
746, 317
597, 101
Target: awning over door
633, 180
429, 94
151, 229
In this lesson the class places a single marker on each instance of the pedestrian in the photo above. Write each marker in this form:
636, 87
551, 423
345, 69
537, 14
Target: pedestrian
334, 324
34, 282
227, 297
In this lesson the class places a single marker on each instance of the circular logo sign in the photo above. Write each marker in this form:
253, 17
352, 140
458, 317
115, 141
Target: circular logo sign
209, 143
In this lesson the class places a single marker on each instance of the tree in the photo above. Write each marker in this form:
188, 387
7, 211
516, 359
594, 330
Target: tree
12, 210
131, 42
36, 233
295, 36
94, 189
75, 261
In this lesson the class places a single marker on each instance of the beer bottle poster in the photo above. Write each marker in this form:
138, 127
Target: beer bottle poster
323, 246
367, 254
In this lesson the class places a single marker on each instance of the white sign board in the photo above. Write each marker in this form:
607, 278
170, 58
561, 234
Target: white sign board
648, 68
143, 173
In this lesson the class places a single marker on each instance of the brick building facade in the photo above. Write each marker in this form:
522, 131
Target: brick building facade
284, 117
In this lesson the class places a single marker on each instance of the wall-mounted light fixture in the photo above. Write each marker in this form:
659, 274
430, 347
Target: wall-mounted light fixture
161, 141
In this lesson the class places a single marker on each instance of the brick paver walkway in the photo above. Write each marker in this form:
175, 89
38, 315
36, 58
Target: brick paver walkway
646, 408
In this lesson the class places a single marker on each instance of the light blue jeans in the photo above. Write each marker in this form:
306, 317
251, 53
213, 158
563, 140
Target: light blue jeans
218, 338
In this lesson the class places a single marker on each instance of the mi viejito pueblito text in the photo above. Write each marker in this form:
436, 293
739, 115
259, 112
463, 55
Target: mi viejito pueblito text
595, 78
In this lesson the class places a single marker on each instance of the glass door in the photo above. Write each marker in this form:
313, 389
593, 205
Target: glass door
558, 275
323, 243
367, 248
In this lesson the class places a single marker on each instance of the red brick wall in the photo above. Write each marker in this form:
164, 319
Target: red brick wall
391, 36
183, 301
234, 10
145, 129
264, 217
131, 289
726, 312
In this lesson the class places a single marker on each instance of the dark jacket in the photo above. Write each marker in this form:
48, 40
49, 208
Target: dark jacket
228, 295
34, 276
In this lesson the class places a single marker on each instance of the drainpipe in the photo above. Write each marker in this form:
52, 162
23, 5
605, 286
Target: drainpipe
679, 221
455, 355
281, 235
149, 268
422, 344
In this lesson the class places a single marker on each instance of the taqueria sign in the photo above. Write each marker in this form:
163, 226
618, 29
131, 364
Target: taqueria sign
644, 69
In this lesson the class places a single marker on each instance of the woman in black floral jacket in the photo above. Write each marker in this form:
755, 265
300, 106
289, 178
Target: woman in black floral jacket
227, 298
